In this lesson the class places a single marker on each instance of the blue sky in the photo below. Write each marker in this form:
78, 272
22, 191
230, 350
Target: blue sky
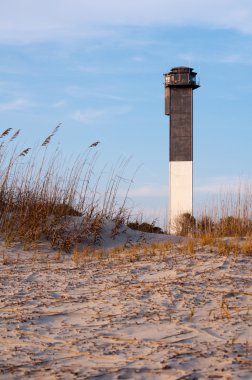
97, 66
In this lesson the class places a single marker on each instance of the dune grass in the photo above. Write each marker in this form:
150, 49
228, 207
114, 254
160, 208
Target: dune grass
40, 198
229, 215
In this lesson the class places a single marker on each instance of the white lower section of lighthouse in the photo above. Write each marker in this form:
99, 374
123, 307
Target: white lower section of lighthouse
181, 190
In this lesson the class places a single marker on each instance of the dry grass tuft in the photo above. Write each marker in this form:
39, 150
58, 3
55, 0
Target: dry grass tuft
189, 246
230, 215
41, 199
207, 239
246, 246
226, 247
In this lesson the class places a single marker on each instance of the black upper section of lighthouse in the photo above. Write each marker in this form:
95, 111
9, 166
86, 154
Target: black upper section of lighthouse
179, 85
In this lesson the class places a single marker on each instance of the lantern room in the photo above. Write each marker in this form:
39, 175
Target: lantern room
181, 76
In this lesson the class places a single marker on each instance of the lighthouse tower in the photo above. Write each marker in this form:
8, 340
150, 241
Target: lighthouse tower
179, 85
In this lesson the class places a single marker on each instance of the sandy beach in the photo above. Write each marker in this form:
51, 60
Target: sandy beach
147, 314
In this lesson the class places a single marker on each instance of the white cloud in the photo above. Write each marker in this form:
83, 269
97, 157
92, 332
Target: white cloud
59, 104
138, 59
91, 115
235, 58
107, 93
187, 57
29, 20
232, 58
150, 191
212, 185
220, 185
86, 69
88, 116
15, 105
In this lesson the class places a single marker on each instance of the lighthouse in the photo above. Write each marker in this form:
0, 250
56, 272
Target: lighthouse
179, 85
